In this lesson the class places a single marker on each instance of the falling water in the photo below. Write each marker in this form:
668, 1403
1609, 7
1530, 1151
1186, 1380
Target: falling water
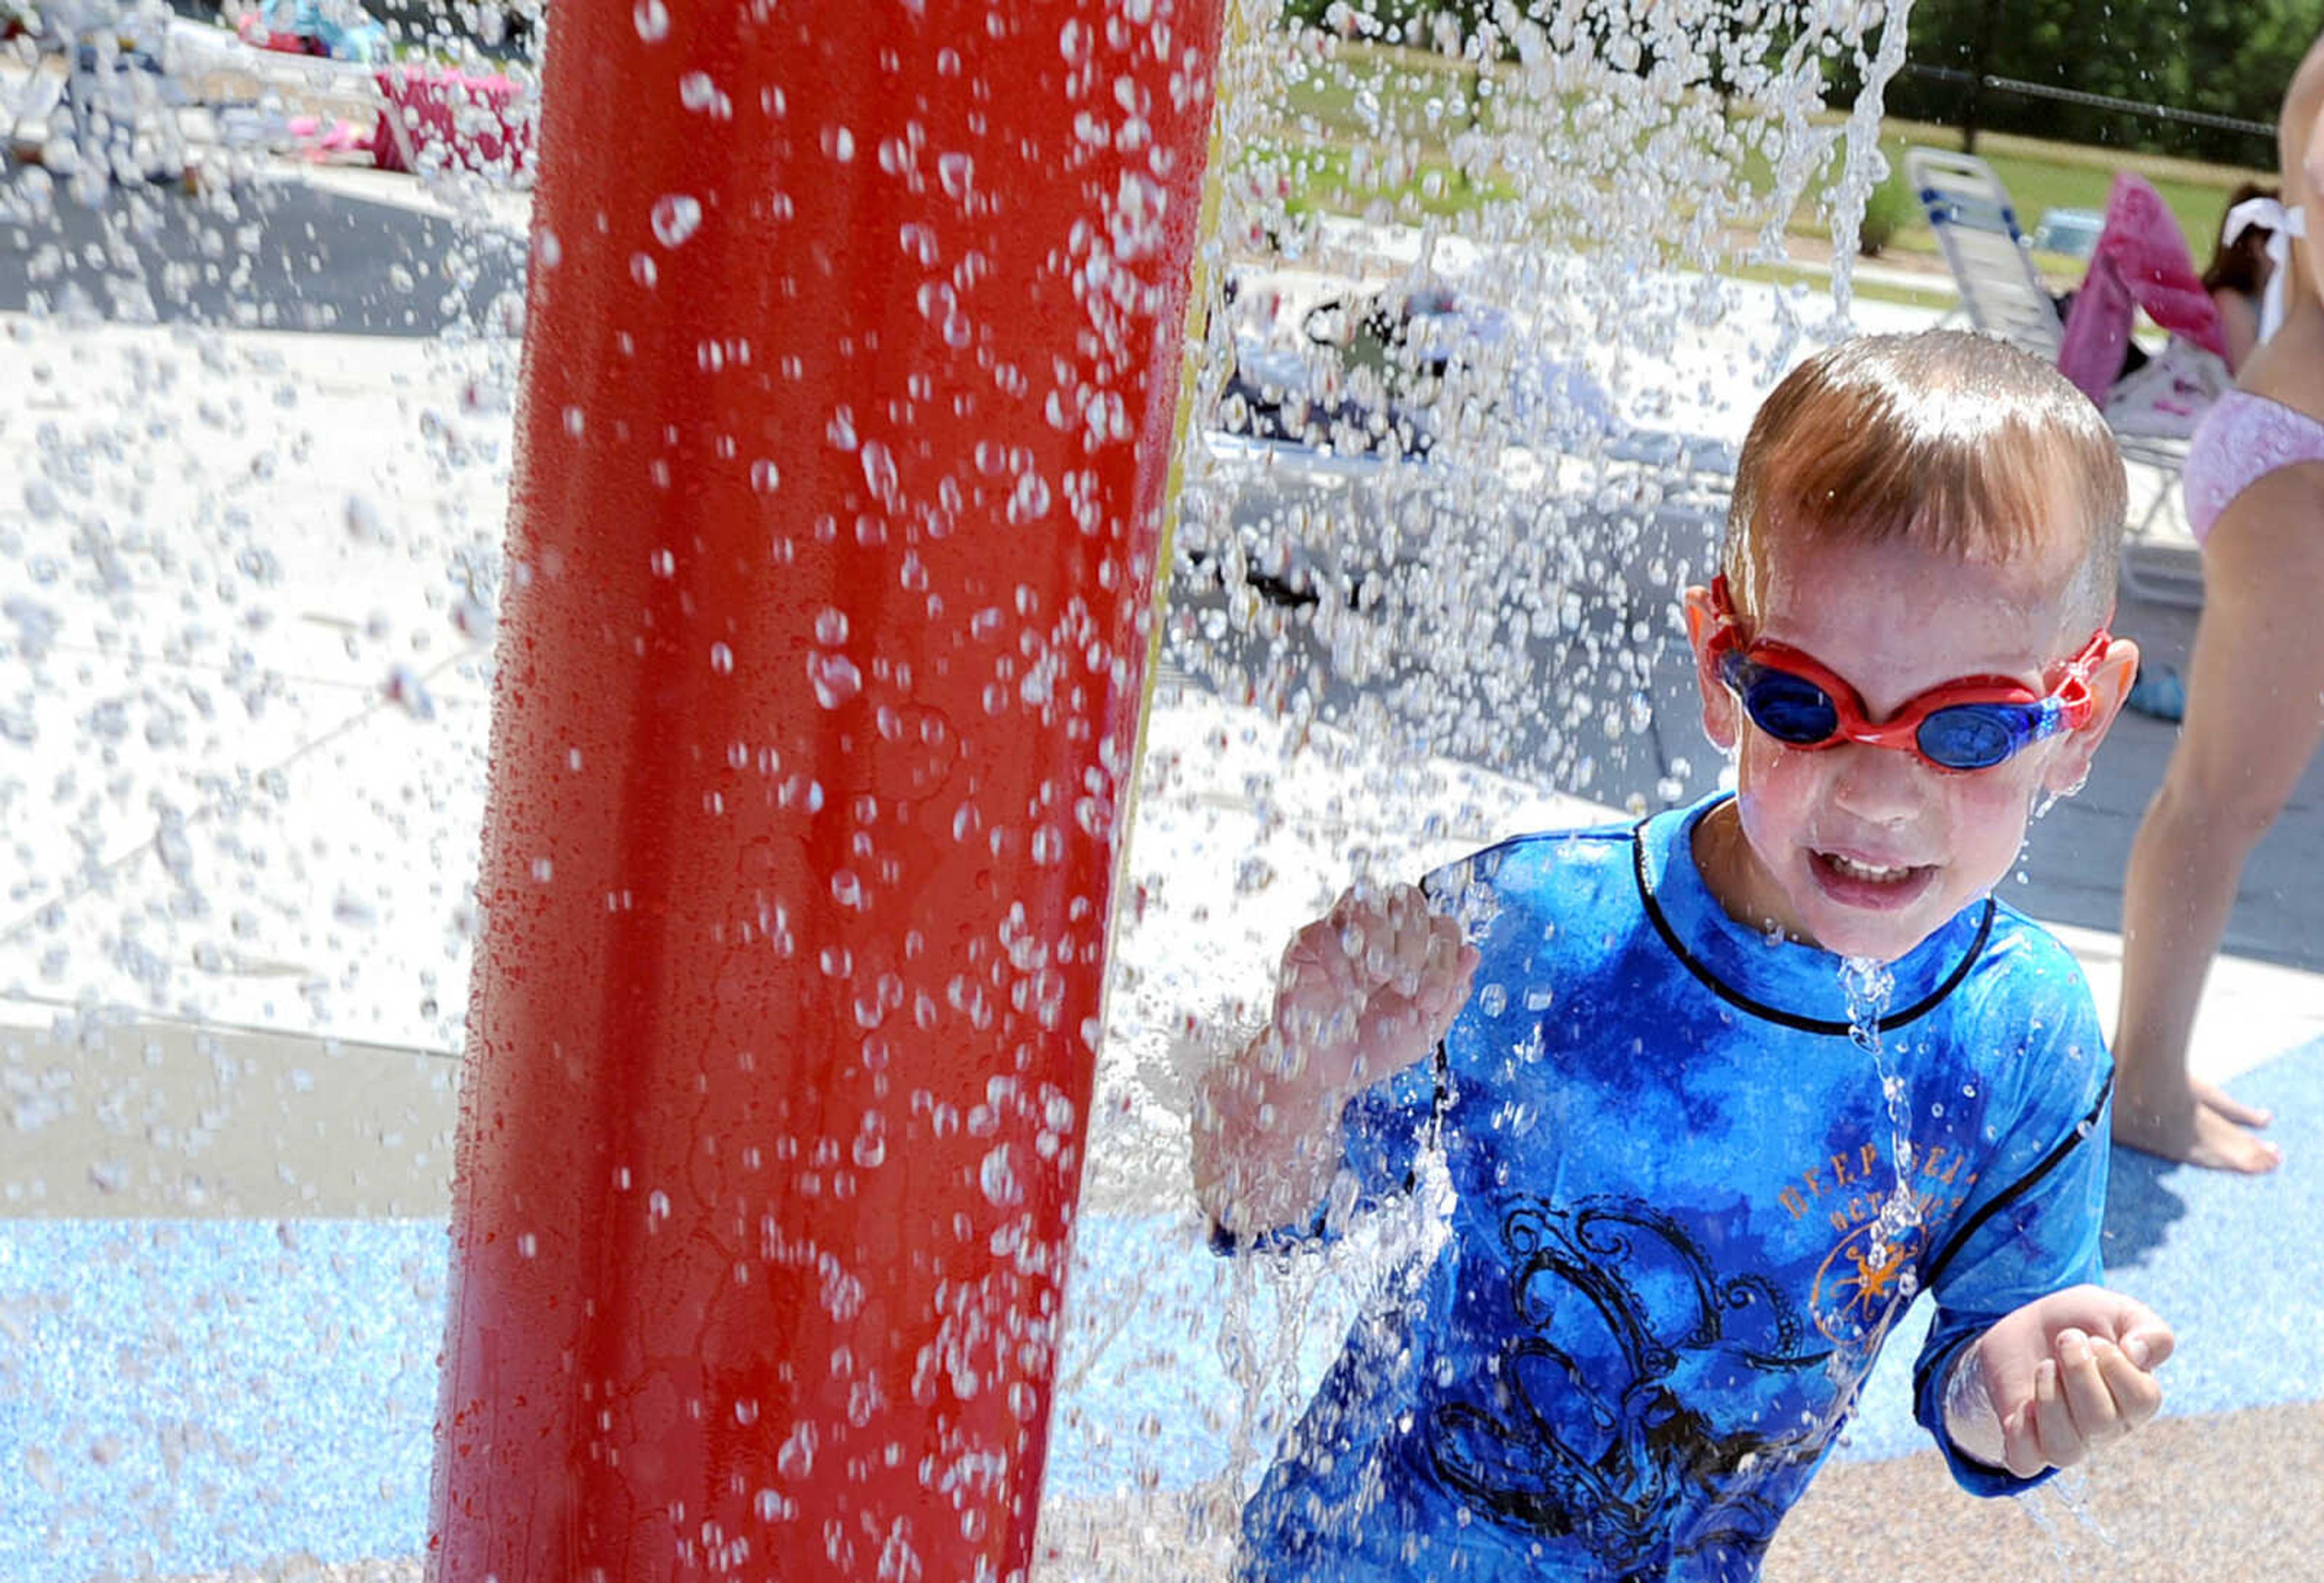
1869, 985
1439, 619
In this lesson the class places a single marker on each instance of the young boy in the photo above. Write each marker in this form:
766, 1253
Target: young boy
1694, 1179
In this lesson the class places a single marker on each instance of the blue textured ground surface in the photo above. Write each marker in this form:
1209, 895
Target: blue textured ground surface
187, 1395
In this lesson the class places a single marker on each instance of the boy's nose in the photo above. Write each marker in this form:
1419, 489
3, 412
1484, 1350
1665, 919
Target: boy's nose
1880, 786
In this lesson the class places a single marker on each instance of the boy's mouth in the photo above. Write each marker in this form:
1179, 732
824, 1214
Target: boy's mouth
1853, 869
1862, 883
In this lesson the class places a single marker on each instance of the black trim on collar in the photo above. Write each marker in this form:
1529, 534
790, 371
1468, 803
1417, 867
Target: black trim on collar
1776, 1014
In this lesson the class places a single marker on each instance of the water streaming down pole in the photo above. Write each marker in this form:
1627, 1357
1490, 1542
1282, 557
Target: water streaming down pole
849, 377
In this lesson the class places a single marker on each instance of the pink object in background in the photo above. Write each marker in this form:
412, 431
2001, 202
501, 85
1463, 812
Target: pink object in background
479, 121
2141, 261
321, 137
254, 30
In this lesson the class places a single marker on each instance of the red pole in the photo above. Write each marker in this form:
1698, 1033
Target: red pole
848, 398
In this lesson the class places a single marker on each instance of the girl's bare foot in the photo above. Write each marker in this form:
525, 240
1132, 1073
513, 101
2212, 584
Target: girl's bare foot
2198, 1132
2217, 1098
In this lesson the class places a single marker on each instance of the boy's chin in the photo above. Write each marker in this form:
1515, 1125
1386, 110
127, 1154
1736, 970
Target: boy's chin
1881, 948
1884, 937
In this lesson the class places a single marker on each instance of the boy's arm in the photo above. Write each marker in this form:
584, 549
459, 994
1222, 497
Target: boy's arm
1364, 993
2005, 1269
1266, 1146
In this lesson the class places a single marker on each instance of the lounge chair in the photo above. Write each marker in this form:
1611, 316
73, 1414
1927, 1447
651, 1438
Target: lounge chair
1992, 266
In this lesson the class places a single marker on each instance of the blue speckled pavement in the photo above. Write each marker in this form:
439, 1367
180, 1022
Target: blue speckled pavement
187, 1395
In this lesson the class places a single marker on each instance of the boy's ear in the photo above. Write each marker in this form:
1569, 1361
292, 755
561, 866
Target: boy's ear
1719, 721
2110, 683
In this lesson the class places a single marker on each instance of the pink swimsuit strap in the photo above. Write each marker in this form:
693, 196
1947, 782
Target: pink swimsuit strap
2242, 439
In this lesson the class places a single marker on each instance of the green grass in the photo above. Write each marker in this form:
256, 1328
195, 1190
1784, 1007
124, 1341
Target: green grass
1362, 92
1352, 180
1935, 298
2041, 176
1369, 131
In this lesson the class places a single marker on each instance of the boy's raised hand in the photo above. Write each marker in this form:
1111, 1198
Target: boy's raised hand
1369, 987
2064, 1376
1365, 992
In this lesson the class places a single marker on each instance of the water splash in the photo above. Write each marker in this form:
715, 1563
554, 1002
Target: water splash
1869, 985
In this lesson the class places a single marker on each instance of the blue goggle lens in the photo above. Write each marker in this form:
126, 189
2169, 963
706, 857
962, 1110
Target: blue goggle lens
1974, 736
1791, 709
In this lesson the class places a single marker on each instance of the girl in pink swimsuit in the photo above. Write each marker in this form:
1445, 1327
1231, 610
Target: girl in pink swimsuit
2255, 483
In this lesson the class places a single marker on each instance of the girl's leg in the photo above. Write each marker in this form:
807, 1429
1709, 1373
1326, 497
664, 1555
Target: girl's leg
2255, 716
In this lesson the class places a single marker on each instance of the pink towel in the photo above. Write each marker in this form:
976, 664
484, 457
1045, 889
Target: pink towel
2141, 261
477, 120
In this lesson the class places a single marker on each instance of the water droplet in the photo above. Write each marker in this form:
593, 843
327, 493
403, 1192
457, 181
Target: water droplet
834, 678
404, 689
871, 1148
879, 470
363, 524
998, 1178
1029, 501
677, 215
652, 20
919, 241
722, 659
796, 1459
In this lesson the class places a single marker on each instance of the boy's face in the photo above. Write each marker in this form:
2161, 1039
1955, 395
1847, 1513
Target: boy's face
1867, 851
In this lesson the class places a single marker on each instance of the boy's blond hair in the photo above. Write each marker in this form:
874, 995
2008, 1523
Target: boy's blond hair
1952, 440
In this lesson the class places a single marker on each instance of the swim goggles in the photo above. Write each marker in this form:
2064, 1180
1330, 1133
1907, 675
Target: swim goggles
1958, 726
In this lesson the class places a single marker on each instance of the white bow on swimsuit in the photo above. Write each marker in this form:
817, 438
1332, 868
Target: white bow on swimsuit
2281, 225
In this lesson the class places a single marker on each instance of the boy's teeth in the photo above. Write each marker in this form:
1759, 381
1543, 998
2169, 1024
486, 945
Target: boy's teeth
1855, 869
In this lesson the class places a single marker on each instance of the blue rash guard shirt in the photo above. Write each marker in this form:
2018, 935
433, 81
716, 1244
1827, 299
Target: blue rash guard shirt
1663, 1280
